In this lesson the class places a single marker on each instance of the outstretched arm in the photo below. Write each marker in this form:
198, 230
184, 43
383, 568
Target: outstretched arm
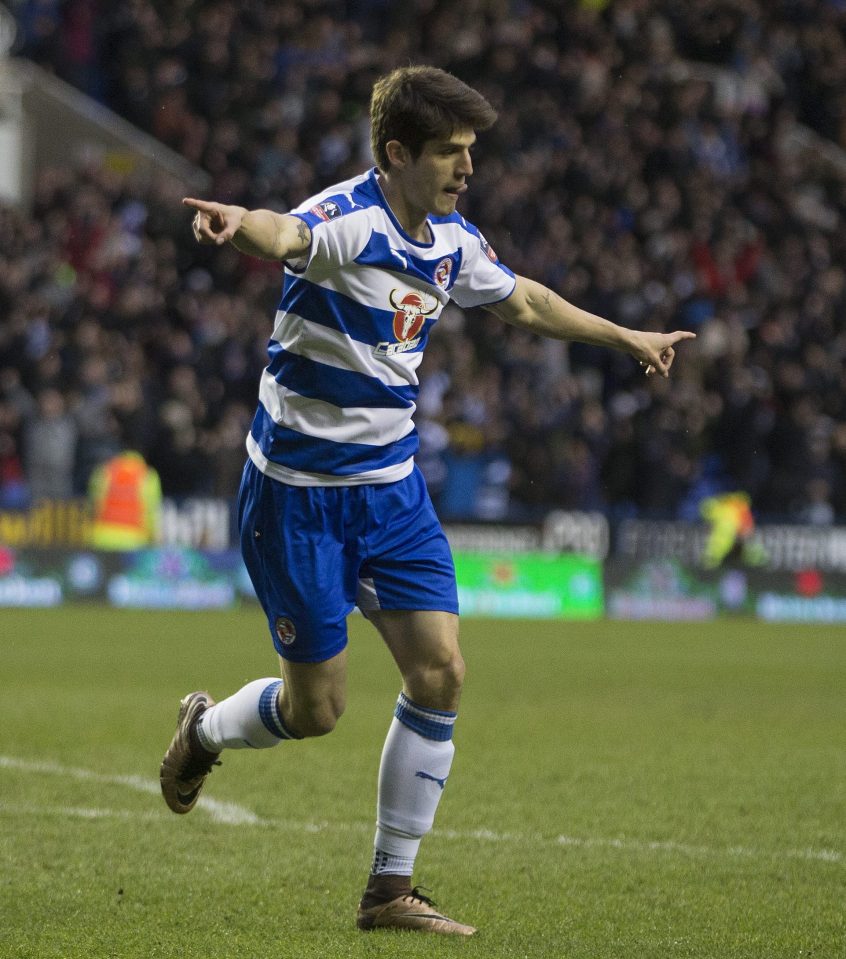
262, 233
540, 310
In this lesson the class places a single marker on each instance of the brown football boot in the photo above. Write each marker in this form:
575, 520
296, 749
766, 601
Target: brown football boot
186, 764
412, 911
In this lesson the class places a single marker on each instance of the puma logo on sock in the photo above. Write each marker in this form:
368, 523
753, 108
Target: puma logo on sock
421, 775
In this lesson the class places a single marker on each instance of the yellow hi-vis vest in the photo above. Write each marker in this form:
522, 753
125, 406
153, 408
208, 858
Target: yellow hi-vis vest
126, 502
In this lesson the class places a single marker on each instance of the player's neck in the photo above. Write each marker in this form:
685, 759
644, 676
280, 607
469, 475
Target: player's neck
412, 219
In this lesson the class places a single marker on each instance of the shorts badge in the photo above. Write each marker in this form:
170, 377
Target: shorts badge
285, 630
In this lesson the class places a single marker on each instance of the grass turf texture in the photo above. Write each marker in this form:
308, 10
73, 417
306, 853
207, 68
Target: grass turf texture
619, 790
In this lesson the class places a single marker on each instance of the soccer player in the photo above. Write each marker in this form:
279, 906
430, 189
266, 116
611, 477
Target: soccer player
332, 509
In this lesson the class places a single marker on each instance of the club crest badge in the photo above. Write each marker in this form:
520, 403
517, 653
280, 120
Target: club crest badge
285, 630
443, 272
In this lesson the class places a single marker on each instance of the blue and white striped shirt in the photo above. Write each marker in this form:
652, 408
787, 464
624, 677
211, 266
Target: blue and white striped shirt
337, 398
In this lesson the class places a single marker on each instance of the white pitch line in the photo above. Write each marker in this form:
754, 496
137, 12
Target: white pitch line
231, 814
77, 812
223, 812
742, 852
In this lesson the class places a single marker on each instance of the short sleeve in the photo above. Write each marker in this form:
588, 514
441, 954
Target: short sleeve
482, 279
337, 236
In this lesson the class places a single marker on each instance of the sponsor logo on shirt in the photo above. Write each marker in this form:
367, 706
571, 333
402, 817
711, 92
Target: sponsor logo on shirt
410, 314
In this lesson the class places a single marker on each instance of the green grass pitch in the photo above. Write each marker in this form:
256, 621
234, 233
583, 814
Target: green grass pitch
619, 791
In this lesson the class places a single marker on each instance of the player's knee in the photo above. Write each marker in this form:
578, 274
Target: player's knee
453, 673
437, 683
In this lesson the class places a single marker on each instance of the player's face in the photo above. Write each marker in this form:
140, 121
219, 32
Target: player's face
438, 177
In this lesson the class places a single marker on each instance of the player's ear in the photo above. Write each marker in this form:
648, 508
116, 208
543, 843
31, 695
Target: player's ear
397, 153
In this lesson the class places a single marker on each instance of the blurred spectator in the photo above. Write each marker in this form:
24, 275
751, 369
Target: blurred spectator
14, 492
732, 525
126, 500
50, 440
177, 451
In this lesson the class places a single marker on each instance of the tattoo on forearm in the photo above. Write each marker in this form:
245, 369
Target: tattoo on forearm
303, 232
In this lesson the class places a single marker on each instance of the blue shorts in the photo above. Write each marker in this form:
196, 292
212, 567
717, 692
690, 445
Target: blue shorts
314, 552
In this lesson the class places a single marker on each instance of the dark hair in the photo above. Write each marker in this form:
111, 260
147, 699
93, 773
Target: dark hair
416, 104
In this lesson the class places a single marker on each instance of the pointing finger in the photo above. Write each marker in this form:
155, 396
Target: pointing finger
204, 205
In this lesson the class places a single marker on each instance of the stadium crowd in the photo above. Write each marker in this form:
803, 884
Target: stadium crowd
645, 165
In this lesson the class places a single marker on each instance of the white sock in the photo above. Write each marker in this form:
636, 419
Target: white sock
415, 765
249, 718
